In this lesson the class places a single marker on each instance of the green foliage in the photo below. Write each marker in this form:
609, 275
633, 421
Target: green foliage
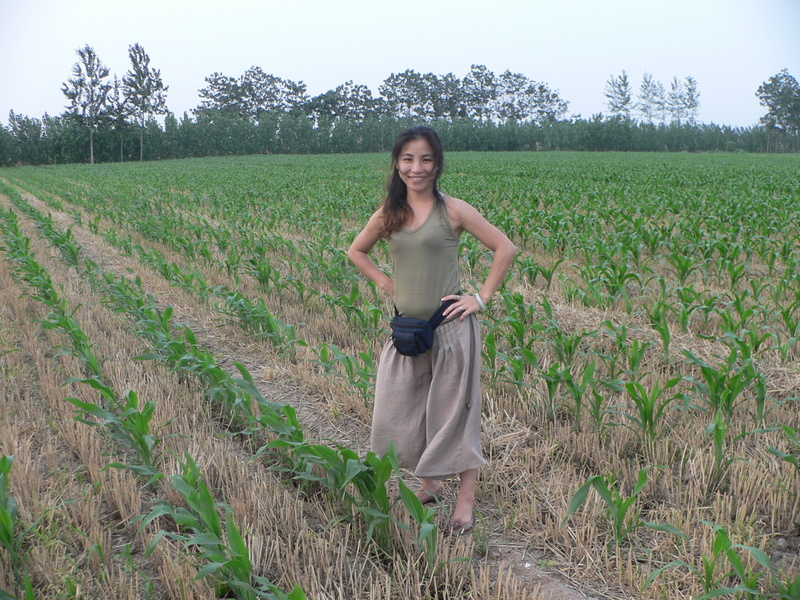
220, 546
617, 506
13, 535
128, 426
650, 408
609, 229
789, 457
723, 565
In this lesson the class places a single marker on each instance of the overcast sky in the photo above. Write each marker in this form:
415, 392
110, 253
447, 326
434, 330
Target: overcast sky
575, 46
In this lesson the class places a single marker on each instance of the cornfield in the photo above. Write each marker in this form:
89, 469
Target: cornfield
188, 361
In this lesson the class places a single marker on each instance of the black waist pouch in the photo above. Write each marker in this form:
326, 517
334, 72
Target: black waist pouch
415, 336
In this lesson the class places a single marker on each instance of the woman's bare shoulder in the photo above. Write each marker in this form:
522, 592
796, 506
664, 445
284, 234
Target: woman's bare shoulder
457, 209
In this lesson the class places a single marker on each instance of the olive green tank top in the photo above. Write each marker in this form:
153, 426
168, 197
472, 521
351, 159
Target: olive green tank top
425, 265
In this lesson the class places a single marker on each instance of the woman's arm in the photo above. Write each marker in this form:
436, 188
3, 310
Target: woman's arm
468, 219
359, 251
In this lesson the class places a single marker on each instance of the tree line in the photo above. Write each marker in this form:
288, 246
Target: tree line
112, 119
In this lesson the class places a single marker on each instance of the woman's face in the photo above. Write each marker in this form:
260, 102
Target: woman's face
416, 166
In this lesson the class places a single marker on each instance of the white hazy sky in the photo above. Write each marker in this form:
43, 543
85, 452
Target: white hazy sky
729, 46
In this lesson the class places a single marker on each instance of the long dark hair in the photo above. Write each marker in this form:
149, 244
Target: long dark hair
395, 210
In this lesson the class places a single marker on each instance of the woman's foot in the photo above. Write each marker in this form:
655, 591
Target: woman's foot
463, 518
428, 492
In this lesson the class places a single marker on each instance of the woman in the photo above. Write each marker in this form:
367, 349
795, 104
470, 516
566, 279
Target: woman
429, 405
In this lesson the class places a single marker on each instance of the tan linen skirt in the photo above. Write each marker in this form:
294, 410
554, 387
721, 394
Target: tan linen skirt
429, 405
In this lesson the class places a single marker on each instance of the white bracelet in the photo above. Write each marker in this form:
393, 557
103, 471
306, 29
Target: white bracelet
480, 301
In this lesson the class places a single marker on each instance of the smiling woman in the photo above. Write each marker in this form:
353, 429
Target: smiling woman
429, 405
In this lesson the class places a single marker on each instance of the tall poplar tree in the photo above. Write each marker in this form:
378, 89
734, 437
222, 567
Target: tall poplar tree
652, 101
88, 92
144, 92
691, 99
618, 92
676, 101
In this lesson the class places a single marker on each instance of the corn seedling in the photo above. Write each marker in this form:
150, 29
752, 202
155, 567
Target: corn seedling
10, 537
220, 547
358, 371
791, 458
721, 567
650, 407
617, 507
128, 426
720, 387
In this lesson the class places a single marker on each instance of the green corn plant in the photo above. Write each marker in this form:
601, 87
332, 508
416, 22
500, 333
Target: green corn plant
302, 291
724, 445
658, 320
619, 335
791, 458
62, 320
518, 323
222, 549
549, 272
425, 519
13, 534
735, 314
423, 516
529, 269
94, 224
789, 318
786, 589
597, 410
491, 358
515, 366
552, 378
9, 524
361, 485
128, 426
577, 391
267, 276
721, 567
683, 264
256, 317
617, 507
615, 276
649, 408
564, 345
736, 271
688, 304
291, 453
518, 333
756, 381
720, 387
635, 354
358, 371
278, 420
589, 293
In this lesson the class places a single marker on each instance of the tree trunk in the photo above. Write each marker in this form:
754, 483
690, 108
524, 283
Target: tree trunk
91, 147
